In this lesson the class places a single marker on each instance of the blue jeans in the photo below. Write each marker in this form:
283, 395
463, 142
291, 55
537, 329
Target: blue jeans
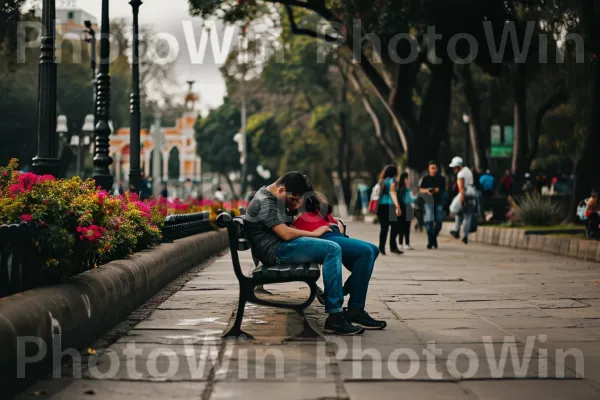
464, 217
434, 217
359, 257
325, 252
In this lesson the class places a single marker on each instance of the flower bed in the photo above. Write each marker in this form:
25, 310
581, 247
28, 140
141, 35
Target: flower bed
75, 224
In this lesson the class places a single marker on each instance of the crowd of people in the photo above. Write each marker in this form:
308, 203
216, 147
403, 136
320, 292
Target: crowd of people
396, 206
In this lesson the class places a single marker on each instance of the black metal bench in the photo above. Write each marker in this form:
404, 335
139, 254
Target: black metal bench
266, 274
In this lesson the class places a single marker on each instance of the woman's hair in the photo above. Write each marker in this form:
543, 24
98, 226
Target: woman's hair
389, 171
317, 205
403, 177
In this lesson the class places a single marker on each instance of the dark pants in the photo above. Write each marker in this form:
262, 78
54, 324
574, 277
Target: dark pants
593, 228
404, 231
387, 219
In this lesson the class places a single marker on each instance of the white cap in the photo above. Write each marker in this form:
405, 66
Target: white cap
527, 175
456, 162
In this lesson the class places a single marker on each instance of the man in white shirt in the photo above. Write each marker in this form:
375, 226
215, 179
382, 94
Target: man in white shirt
467, 195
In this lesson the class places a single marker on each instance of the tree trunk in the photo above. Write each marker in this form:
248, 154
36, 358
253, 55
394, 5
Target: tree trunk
343, 153
230, 183
521, 138
433, 120
586, 171
481, 162
556, 99
386, 147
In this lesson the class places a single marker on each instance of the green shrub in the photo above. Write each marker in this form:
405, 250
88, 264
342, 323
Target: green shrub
78, 226
538, 210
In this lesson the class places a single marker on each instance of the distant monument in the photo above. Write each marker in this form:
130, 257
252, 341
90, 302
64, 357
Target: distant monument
178, 142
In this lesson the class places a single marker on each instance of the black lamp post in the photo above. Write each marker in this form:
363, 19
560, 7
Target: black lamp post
135, 171
46, 160
102, 158
91, 39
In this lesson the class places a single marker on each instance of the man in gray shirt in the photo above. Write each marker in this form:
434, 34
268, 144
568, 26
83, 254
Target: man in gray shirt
274, 242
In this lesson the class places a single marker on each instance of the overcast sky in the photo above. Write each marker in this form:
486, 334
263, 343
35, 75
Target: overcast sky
168, 16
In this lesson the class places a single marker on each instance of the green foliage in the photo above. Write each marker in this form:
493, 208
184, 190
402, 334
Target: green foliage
265, 140
538, 210
214, 135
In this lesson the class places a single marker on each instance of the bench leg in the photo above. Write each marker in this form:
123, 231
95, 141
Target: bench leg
308, 332
320, 296
236, 330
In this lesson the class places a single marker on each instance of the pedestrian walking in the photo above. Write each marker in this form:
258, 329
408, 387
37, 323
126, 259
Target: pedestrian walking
432, 189
406, 200
467, 197
388, 209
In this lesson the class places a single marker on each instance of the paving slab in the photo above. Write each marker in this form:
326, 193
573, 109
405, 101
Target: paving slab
531, 389
112, 390
409, 390
266, 390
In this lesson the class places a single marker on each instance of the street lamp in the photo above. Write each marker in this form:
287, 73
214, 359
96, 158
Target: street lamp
91, 39
467, 120
78, 141
102, 159
46, 160
61, 129
135, 171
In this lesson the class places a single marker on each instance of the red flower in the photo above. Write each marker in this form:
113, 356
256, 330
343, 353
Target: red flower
26, 217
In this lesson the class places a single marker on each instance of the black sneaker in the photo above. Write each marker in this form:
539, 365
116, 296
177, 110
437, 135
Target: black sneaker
465, 240
454, 234
397, 251
363, 319
429, 246
435, 244
337, 324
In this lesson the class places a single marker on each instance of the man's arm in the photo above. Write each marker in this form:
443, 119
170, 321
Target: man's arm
461, 189
286, 233
422, 188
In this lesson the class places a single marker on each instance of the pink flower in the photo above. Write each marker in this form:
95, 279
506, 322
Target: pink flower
4, 173
28, 180
44, 178
16, 189
42, 223
26, 217
91, 233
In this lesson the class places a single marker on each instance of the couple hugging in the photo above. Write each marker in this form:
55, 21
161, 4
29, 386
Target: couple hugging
314, 237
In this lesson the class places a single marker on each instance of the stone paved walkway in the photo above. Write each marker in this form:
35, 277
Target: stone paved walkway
469, 302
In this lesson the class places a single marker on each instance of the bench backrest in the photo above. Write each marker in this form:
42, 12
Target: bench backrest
237, 239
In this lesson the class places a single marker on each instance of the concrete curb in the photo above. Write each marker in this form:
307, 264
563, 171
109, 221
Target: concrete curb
85, 306
516, 238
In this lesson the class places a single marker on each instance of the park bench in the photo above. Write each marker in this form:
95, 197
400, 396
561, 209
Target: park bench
266, 274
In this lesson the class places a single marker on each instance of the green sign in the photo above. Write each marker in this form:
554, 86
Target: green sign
502, 151
509, 135
496, 135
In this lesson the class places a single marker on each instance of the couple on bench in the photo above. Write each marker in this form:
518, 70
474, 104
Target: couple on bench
314, 237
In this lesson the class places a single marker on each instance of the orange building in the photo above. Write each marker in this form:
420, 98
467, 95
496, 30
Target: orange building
177, 151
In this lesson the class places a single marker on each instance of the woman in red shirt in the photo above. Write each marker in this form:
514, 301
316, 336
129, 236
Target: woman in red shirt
592, 213
358, 256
